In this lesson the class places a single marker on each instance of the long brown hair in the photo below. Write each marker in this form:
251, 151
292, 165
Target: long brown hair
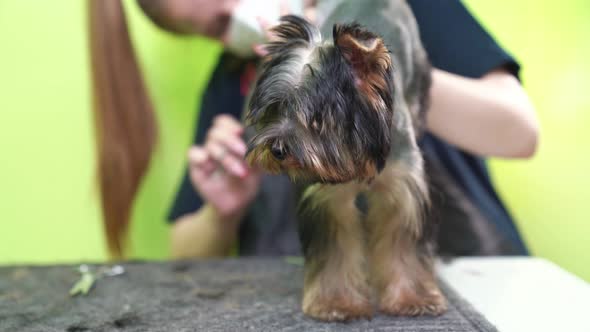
125, 124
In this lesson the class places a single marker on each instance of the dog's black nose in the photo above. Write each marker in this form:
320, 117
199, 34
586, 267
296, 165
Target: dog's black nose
278, 152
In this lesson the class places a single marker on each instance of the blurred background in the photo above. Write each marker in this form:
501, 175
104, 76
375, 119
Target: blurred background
49, 209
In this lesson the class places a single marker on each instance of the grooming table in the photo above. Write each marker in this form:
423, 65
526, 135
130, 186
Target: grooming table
246, 294
521, 294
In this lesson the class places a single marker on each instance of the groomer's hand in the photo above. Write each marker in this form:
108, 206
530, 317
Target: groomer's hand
309, 13
218, 170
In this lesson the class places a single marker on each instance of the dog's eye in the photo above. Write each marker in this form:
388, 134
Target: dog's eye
279, 151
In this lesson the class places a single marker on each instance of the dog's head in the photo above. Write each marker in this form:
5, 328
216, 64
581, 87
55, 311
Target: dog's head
322, 111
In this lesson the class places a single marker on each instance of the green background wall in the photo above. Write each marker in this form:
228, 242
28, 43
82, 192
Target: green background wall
48, 201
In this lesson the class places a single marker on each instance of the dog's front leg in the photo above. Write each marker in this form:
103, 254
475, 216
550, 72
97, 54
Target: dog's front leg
401, 263
335, 286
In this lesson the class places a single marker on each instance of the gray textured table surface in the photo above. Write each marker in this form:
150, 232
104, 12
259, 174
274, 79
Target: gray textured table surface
217, 295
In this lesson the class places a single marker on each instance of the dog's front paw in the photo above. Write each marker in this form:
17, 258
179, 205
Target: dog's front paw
401, 301
337, 308
334, 310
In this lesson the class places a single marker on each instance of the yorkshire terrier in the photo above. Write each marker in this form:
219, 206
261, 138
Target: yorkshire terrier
341, 117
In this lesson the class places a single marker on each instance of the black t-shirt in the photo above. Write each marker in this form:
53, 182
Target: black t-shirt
456, 43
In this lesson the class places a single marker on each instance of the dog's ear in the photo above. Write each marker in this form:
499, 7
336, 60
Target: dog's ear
367, 55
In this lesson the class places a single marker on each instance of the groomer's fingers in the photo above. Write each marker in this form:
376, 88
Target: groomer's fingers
260, 50
228, 122
197, 155
200, 162
234, 166
284, 8
310, 14
266, 26
230, 163
232, 142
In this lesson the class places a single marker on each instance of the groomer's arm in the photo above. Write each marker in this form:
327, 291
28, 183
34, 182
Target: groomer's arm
204, 233
227, 185
489, 116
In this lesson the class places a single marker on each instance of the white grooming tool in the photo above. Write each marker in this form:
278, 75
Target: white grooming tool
244, 29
